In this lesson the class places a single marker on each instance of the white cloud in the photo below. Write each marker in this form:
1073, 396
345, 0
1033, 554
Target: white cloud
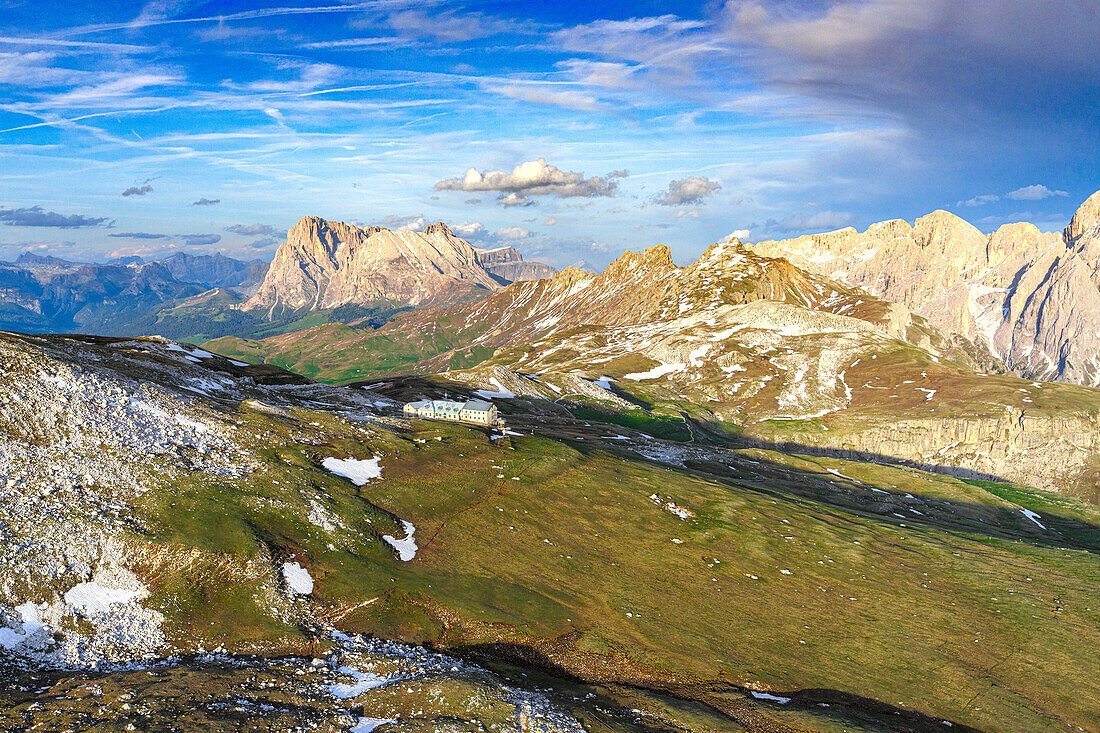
550, 221
1034, 193
982, 200
686, 213
513, 234
468, 228
568, 99
741, 234
689, 190
413, 223
533, 178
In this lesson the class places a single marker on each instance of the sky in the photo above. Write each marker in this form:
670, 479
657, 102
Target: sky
570, 130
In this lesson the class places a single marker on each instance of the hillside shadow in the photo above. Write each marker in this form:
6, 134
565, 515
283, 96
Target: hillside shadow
900, 504
904, 500
723, 698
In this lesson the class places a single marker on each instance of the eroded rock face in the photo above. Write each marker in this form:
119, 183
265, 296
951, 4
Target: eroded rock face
1032, 298
507, 265
329, 264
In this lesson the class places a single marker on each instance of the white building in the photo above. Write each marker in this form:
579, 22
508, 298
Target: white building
478, 412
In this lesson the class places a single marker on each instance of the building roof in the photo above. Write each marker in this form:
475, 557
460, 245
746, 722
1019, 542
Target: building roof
420, 404
479, 405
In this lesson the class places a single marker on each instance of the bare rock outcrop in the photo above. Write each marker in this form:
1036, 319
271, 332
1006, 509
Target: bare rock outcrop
327, 264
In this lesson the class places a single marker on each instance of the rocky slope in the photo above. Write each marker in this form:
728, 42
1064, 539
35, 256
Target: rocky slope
330, 264
1032, 298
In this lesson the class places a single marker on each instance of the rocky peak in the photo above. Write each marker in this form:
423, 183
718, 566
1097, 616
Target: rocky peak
1085, 219
326, 264
659, 255
942, 228
439, 228
891, 228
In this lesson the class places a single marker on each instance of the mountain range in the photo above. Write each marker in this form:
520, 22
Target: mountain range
325, 271
1031, 298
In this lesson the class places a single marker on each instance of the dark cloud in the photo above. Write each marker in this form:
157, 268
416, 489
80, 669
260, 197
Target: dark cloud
206, 202
933, 62
263, 243
198, 240
251, 230
138, 190
139, 235
36, 216
533, 178
689, 190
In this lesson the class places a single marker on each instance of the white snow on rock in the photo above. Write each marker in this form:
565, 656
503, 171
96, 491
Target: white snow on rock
656, 372
363, 681
767, 696
1033, 517
366, 725
297, 578
355, 470
92, 597
30, 623
406, 546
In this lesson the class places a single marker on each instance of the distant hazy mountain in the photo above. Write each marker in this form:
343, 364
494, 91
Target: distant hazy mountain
326, 265
507, 265
216, 270
49, 294
1032, 298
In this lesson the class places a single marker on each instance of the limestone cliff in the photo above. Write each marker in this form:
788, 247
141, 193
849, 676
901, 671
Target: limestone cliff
1031, 298
327, 264
507, 265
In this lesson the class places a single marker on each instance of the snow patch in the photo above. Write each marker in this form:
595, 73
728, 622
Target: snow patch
363, 681
768, 696
406, 546
297, 578
358, 471
92, 597
1033, 517
656, 372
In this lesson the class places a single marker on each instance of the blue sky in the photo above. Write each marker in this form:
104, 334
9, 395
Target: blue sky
153, 127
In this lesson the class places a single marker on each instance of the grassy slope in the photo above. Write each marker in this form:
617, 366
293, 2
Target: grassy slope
915, 613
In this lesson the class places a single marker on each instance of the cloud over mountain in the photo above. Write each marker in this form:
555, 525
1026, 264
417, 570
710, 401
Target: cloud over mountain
1034, 193
36, 216
138, 190
533, 178
138, 235
689, 190
251, 230
198, 240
